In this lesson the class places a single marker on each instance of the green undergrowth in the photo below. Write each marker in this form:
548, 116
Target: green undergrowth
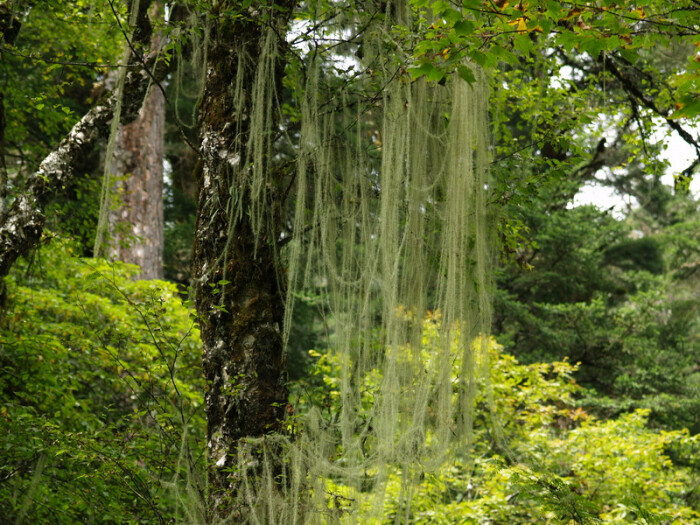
101, 421
537, 457
101, 395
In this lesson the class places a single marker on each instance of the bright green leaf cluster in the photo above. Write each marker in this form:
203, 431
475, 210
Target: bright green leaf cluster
101, 394
537, 456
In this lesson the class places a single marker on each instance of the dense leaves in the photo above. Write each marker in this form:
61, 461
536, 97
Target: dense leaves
100, 382
101, 394
604, 299
53, 74
99, 371
537, 457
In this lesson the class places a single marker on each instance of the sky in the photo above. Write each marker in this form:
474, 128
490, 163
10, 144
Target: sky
679, 155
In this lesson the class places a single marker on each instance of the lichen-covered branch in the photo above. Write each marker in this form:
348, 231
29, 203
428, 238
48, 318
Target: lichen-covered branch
22, 223
9, 28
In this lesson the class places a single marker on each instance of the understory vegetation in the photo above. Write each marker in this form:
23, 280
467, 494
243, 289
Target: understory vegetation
102, 418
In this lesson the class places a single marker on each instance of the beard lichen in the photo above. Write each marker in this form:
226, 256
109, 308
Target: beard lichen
391, 217
390, 220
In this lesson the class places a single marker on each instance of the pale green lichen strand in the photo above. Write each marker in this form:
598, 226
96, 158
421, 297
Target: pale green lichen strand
391, 217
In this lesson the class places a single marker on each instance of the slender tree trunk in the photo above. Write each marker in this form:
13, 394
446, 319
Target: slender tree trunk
136, 226
240, 321
9, 28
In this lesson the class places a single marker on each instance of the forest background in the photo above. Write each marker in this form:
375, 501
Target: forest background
591, 409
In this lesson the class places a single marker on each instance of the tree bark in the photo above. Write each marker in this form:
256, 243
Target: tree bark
136, 226
240, 321
9, 29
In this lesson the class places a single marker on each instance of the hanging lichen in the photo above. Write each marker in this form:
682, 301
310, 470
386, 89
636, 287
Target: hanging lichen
189, 76
394, 244
102, 236
390, 216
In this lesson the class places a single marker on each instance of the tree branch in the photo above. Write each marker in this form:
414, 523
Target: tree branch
630, 87
9, 29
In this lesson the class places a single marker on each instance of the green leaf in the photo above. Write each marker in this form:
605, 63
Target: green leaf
429, 71
546, 25
452, 16
593, 46
687, 111
554, 9
479, 57
568, 40
466, 74
523, 43
503, 55
464, 27
440, 7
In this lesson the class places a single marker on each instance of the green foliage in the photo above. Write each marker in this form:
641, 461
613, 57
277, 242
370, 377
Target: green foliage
101, 394
99, 376
635, 254
180, 214
505, 31
592, 293
538, 457
57, 68
74, 213
46, 84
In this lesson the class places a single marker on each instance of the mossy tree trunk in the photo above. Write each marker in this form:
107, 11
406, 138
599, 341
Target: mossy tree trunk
239, 293
22, 222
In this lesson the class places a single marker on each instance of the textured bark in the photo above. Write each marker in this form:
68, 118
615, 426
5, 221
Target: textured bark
22, 224
136, 226
3, 165
240, 322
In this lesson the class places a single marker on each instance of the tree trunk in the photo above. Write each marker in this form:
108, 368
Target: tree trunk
136, 226
240, 321
9, 28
